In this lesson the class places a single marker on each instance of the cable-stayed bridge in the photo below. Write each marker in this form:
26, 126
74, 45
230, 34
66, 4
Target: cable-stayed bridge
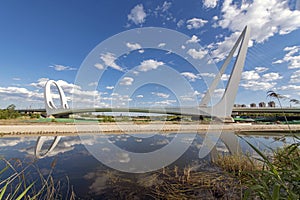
221, 109
170, 111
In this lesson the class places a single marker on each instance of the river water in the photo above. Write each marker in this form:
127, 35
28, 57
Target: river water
74, 167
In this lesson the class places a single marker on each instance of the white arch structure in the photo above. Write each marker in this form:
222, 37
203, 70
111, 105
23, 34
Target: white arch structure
222, 109
49, 104
39, 144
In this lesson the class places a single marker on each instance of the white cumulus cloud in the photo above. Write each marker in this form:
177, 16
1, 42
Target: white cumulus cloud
194, 39
225, 77
133, 46
266, 18
251, 80
150, 64
110, 87
93, 84
201, 53
250, 75
195, 23
295, 77
210, 3
220, 50
258, 85
166, 5
126, 81
20, 93
161, 44
206, 74
62, 68
261, 69
160, 94
180, 23
292, 57
189, 75
109, 60
99, 66
290, 87
137, 14
273, 76
166, 102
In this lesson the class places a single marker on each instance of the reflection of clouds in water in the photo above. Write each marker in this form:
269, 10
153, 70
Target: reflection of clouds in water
113, 157
70, 141
123, 157
197, 145
160, 142
99, 179
138, 140
66, 144
187, 139
122, 138
103, 182
10, 142
222, 149
105, 149
58, 149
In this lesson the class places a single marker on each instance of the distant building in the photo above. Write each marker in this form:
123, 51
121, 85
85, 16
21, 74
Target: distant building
252, 105
262, 104
271, 104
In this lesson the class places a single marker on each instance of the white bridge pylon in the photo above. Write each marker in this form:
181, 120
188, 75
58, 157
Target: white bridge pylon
222, 109
49, 104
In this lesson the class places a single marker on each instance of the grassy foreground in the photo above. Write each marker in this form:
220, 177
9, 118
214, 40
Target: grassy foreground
268, 177
16, 182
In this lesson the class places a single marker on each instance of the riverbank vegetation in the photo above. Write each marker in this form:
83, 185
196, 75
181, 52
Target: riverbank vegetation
280, 176
9, 112
171, 183
22, 180
275, 176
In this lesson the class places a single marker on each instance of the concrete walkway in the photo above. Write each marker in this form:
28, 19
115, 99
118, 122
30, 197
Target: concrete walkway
71, 129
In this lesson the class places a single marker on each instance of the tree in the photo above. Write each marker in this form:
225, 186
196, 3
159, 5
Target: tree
9, 112
11, 107
295, 101
277, 96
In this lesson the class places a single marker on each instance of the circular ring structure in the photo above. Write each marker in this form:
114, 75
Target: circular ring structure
39, 144
49, 100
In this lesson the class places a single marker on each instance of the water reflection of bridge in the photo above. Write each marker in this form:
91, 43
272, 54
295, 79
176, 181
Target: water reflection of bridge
229, 139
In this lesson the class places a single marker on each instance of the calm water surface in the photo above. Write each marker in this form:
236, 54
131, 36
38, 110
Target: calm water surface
89, 177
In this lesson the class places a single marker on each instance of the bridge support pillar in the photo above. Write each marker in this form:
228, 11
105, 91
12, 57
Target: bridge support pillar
49, 104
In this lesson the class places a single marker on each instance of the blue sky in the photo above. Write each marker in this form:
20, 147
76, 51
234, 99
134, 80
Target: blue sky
41, 40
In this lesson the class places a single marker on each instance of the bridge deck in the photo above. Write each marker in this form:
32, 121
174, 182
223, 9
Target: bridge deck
171, 111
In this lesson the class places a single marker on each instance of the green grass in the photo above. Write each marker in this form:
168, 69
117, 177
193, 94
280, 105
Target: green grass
60, 120
16, 182
280, 177
275, 176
